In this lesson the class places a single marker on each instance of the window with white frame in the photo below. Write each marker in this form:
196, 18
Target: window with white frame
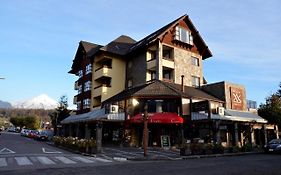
80, 73
88, 86
80, 89
78, 105
195, 81
183, 35
88, 68
86, 103
194, 61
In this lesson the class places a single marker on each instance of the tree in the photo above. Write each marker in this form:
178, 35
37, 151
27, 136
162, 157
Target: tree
60, 113
30, 122
271, 110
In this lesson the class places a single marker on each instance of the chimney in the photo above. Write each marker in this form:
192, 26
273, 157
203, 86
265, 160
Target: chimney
182, 85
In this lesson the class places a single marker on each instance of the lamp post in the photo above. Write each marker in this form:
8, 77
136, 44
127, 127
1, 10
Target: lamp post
145, 130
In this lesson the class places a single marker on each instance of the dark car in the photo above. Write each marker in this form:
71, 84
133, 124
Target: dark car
274, 146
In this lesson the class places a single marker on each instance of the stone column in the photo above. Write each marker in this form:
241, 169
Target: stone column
236, 134
218, 133
277, 131
253, 140
77, 130
265, 133
87, 131
70, 130
227, 139
99, 136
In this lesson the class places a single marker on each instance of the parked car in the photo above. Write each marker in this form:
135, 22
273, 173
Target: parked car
24, 132
41, 135
11, 129
32, 133
274, 146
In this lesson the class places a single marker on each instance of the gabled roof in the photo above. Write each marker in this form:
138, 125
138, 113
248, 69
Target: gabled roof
206, 53
158, 89
120, 45
84, 46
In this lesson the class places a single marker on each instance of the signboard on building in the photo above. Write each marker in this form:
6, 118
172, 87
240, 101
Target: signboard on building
236, 95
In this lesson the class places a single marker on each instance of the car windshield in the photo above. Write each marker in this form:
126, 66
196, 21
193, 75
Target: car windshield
275, 141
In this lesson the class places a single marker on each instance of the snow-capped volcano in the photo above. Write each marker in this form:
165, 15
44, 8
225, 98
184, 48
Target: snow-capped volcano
40, 102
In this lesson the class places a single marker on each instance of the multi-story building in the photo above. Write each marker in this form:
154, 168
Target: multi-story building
165, 71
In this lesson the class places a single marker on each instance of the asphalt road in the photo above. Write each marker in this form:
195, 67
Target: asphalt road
256, 164
19, 154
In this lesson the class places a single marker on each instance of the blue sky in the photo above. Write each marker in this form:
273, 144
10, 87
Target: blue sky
38, 40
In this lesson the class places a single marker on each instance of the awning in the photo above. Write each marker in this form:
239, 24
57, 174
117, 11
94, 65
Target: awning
161, 118
95, 115
243, 116
204, 116
231, 115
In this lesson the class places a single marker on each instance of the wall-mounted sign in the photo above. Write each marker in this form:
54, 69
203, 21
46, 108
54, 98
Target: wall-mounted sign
236, 95
165, 141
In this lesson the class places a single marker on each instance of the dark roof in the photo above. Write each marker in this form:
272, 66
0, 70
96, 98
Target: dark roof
120, 45
206, 53
157, 88
89, 48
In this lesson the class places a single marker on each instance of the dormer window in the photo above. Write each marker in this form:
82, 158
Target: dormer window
183, 35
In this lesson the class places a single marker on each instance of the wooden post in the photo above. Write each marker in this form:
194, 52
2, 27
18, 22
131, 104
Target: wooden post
145, 131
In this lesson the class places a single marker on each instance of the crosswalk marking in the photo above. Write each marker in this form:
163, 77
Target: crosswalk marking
23, 161
101, 159
3, 162
35, 160
65, 160
84, 160
45, 160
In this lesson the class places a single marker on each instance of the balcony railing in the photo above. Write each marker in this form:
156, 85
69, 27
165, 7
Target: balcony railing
102, 72
101, 89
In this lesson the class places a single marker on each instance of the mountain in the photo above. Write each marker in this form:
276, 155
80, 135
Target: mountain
4, 105
40, 102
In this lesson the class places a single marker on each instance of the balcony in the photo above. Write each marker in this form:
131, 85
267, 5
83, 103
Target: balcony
169, 63
151, 64
75, 100
76, 86
101, 90
102, 72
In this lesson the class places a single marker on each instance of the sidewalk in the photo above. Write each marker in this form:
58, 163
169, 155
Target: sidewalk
153, 154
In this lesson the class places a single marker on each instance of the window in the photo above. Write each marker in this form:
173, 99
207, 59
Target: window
88, 86
194, 61
80, 73
183, 35
168, 75
88, 68
78, 105
86, 103
130, 83
195, 81
151, 55
80, 89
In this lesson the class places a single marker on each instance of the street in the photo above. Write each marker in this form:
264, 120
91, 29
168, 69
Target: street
21, 155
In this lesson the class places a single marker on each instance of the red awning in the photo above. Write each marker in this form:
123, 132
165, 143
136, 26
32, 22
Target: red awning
161, 118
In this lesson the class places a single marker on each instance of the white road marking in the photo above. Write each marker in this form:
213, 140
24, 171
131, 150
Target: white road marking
65, 160
45, 160
101, 159
84, 160
6, 151
3, 162
23, 161
50, 151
